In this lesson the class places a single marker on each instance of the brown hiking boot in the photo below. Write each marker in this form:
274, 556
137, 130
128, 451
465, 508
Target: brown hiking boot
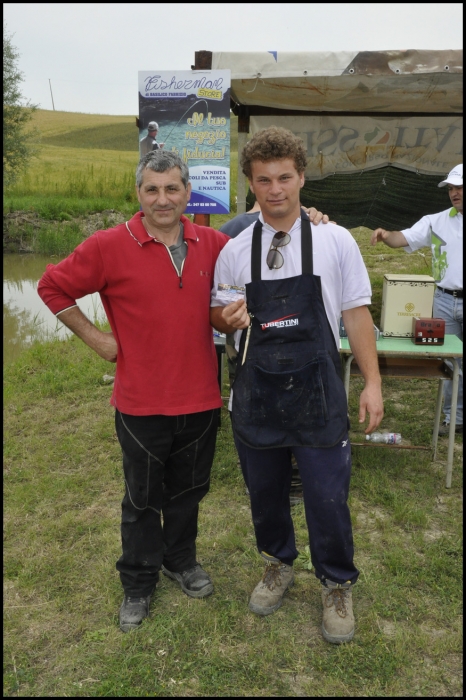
338, 618
268, 594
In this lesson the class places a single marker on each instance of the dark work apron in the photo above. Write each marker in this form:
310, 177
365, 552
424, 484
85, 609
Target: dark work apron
289, 391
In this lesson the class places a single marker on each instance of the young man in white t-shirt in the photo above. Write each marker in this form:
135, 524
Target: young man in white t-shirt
288, 392
444, 233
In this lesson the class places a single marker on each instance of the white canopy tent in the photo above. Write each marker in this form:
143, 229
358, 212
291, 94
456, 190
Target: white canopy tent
368, 81
355, 111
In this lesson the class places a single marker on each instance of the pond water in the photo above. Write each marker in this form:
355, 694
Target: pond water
25, 316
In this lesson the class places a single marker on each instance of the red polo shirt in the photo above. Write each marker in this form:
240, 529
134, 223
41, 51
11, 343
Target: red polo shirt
166, 362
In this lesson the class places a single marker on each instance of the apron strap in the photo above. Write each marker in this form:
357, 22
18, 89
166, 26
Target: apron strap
306, 248
307, 261
256, 252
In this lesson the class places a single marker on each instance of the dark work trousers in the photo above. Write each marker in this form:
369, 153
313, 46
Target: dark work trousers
325, 475
166, 462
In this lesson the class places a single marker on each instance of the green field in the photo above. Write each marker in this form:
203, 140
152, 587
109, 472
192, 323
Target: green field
86, 164
63, 486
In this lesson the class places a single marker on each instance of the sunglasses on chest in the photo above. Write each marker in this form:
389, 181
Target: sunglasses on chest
275, 259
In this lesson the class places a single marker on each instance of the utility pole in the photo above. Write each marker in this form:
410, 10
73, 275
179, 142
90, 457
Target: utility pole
52, 95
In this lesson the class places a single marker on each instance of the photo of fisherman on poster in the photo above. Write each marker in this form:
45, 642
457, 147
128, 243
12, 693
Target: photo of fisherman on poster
189, 112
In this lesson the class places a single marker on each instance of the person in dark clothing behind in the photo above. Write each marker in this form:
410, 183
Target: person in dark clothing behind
241, 221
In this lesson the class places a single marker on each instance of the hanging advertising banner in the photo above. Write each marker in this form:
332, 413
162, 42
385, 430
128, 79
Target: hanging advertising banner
188, 112
344, 144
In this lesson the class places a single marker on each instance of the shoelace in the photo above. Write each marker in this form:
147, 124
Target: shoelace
189, 573
271, 577
130, 600
337, 597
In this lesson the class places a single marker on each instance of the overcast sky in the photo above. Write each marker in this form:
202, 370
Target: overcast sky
92, 52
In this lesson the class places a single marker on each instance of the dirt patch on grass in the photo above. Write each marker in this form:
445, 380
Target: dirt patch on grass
433, 534
301, 685
369, 520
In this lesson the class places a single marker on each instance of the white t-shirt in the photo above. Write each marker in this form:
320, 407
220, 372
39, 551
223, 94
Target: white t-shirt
444, 233
337, 261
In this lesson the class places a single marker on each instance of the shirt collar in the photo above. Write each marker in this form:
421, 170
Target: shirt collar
296, 226
138, 231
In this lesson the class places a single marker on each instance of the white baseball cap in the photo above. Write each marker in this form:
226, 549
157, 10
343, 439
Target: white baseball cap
152, 126
455, 177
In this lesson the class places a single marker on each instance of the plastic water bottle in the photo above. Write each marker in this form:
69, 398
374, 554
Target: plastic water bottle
387, 438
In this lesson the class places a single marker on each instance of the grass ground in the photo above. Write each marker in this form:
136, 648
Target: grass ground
62, 491
63, 486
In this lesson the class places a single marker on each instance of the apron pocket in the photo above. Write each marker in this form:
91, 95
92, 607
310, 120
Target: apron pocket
291, 398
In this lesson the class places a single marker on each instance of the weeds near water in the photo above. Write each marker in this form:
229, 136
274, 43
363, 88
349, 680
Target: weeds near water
58, 239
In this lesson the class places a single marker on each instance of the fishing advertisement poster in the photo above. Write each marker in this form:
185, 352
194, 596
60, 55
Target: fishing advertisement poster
188, 112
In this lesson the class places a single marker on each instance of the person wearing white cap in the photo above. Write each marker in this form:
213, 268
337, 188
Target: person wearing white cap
444, 233
149, 143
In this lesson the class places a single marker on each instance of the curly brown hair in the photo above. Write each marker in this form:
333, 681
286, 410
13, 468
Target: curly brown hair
273, 143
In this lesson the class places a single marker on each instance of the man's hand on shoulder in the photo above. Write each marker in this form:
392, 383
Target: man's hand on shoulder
316, 217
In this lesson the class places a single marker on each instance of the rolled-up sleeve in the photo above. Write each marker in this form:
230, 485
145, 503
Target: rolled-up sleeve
80, 274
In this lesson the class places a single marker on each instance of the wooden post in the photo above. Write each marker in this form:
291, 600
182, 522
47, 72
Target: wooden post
202, 219
202, 61
243, 130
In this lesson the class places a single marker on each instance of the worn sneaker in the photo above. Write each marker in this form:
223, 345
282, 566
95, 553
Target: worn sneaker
195, 582
132, 612
338, 618
268, 594
444, 429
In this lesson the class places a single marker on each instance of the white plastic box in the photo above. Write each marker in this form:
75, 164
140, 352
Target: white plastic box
403, 298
